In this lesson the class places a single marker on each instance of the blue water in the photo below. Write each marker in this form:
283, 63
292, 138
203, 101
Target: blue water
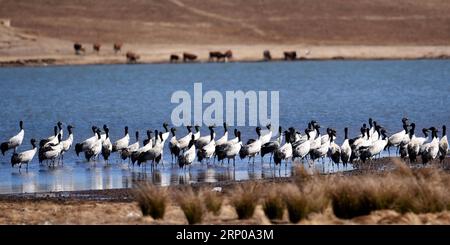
338, 94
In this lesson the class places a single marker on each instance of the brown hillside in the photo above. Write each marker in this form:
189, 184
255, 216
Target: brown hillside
335, 22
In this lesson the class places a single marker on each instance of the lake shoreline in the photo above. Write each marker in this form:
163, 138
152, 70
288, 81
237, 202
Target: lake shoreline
123, 207
159, 54
127, 194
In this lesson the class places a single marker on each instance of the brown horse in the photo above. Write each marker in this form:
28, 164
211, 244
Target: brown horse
117, 47
174, 58
78, 48
291, 55
96, 47
189, 57
267, 56
132, 57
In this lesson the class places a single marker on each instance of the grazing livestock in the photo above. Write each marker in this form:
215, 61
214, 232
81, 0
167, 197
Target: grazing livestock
174, 58
117, 47
78, 48
189, 57
267, 56
219, 56
292, 55
132, 57
228, 55
96, 47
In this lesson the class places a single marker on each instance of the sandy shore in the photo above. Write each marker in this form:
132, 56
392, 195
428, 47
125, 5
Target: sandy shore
18, 48
241, 53
95, 212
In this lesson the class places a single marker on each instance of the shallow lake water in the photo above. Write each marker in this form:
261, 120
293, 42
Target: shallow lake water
337, 94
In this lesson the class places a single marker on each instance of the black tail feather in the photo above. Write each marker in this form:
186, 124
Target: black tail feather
15, 159
4, 147
78, 148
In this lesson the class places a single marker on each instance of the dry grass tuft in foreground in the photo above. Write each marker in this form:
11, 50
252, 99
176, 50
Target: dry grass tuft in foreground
273, 204
245, 198
213, 201
192, 206
152, 200
401, 191
423, 190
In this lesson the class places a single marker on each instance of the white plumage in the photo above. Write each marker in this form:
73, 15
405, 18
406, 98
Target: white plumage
24, 157
122, 143
14, 141
303, 149
86, 144
207, 151
188, 157
346, 150
429, 151
284, 152
224, 139
94, 151
66, 144
184, 141
204, 140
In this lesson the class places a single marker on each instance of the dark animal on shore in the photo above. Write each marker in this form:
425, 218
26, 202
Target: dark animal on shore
228, 55
96, 47
292, 55
117, 47
78, 48
189, 57
174, 58
216, 55
266, 55
219, 56
132, 57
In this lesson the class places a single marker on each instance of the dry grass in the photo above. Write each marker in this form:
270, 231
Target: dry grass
213, 201
192, 206
423, 190
380, 22
245, 198
152, 200
273, 205
403, 190
401, 196
305, 199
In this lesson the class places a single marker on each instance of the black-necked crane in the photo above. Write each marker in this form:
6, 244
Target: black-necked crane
24, 157
14, 141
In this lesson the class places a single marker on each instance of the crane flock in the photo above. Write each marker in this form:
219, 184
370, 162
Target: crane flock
288, 145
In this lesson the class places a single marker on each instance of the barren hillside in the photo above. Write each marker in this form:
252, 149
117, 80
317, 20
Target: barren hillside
361, 22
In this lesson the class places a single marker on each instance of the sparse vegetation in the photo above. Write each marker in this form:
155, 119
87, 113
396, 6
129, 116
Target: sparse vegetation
192, 206
244, 199
213, 201
300, 202
273, 205
151, 200
403, 190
